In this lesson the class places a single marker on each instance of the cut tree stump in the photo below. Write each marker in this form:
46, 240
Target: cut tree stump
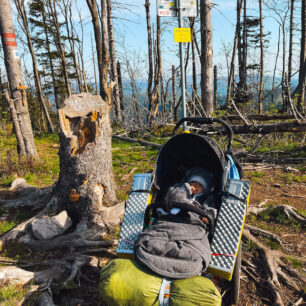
85, 187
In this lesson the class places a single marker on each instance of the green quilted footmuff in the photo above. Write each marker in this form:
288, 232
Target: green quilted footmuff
124, 282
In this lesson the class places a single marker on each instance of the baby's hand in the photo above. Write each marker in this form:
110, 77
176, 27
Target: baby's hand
205, 220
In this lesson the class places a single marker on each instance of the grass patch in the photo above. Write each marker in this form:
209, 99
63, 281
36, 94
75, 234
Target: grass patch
6, 226
296, 263
11, 295
301, 212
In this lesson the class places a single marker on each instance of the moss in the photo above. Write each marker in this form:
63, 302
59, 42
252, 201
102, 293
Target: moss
10, 295
6, 226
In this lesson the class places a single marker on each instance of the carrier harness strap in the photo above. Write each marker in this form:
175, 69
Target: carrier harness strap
164, 292
184, 206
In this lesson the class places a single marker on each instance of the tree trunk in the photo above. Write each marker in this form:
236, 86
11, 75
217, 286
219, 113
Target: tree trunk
275, 66
48, 43
120, 87
302, 74
285, 106
85, 187
290, 42
106, 90
67, 12
59, 45
194, 65
150, 52
114, 73
215, 86
94, 66
232, 69
173, 93
14, 74
22, 12
261, 86
206, 58
85, 155
92, 5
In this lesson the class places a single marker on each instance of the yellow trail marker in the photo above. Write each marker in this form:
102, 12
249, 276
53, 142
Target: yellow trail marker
182, 35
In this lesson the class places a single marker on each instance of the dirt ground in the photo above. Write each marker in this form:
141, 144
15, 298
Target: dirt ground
271, 186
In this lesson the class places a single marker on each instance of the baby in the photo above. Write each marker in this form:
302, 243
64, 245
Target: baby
197, 185
177, 245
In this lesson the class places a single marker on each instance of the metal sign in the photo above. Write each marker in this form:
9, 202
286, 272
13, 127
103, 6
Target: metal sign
182, 35
168, 8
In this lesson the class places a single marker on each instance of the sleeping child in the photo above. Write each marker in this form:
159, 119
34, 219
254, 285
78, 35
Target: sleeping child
177, 245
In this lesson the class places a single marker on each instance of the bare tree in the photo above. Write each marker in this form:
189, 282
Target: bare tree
59, 45
261, 87
232, 69
22, 13
206, 57
153, 94
18, 102
112, 50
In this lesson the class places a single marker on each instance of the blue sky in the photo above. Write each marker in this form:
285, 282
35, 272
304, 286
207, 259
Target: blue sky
130, 27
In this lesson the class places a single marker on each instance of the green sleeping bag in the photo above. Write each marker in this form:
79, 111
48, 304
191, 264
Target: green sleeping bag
124, 282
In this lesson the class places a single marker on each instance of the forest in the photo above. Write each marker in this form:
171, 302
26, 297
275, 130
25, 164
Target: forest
91, 91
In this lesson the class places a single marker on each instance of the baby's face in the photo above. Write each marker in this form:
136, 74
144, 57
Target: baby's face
196, 187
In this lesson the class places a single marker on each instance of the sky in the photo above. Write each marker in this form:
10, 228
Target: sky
131, 34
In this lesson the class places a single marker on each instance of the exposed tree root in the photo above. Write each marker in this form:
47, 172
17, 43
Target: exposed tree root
288, 210
35, 199
272, 263
264, 233
58, 272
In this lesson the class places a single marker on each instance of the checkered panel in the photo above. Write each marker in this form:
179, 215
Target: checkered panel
229, 226
133, 218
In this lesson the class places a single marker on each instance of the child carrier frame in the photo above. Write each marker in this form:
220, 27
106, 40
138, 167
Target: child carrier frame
230, 196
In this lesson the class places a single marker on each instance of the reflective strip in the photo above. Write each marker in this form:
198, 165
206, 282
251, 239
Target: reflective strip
164, 292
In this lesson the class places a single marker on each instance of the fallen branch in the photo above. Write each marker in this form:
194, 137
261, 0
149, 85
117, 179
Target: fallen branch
144, 143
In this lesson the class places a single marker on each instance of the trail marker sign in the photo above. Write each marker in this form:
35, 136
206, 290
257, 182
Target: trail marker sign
168, 8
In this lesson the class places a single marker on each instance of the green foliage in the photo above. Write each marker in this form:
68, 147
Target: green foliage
11, 294
249, 245
273, 245
275, 214
6, 226
293, 261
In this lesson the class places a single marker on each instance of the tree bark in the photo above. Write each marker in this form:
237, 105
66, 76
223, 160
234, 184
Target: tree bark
206, 57
61, 52
22, 12
85, 155
215, 86
114, 73
290, 42
92, 5
106, 90
173, 94
302, 74
14, 74
120, 87
261, 86
232, 69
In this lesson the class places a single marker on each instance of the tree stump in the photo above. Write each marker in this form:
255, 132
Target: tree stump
85, 187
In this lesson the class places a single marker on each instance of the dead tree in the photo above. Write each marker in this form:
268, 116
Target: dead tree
25, 140
206, 57
59, 46
261, 86
153, 94
114, 73
82, 197
232, 69
22, 13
